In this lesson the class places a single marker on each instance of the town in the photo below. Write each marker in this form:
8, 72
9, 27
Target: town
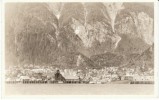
92, 76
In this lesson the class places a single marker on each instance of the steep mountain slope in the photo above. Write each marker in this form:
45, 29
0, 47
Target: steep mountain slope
145, 59
62, 34
33, 38
108, 59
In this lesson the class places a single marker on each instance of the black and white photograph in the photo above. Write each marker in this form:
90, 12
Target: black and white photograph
79, 48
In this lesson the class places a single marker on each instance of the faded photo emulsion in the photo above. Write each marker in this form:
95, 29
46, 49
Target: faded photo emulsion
82, 48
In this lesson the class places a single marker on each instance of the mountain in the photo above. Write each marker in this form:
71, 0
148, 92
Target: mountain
64, 34
30, 35
129, 45
145, 59
108, 59
74, 60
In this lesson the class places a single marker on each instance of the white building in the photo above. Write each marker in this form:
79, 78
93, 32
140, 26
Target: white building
143, 78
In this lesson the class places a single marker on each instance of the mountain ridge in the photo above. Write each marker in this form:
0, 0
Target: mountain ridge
40, 34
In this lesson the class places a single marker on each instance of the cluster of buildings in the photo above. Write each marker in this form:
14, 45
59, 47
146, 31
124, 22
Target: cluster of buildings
104, 75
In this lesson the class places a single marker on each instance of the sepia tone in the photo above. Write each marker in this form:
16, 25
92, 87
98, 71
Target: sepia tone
79, 48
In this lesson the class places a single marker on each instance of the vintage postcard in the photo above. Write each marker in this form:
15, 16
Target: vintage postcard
79, 48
